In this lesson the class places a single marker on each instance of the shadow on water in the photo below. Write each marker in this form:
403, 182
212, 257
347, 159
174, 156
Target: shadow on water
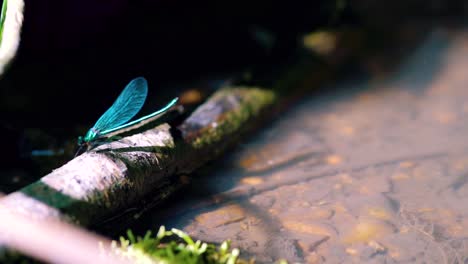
421, 67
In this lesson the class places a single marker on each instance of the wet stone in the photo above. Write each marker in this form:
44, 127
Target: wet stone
222, 216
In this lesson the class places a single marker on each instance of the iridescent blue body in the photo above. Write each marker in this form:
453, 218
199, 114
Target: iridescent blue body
125, 107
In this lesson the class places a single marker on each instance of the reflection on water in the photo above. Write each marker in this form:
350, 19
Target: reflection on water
371, 174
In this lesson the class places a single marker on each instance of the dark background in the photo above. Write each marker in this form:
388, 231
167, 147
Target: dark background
75, 57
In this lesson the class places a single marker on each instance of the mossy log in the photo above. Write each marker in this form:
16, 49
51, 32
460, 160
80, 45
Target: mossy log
107, 180
113, 176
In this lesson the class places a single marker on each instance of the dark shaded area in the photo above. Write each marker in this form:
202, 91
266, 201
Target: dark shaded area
76, 57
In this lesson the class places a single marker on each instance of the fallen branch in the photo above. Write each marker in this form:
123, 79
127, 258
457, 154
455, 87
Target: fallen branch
115, 175
104, 182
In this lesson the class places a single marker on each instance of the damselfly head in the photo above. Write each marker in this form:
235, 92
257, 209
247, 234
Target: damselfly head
82, 145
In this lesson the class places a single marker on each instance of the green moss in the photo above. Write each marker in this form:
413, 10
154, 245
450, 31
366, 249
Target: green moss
175, 246
253, 100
